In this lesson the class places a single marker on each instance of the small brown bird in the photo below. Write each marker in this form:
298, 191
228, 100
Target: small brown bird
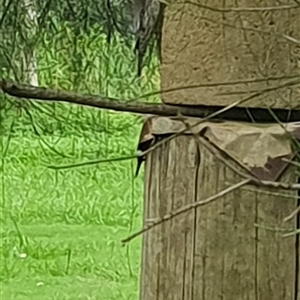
140, 160
147, 18
146, 140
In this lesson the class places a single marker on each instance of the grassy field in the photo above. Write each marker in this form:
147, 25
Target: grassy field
61, 229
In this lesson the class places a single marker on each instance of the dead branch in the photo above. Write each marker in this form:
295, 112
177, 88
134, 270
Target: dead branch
45, 94
242, 9
31, 92
254, 180
292, 233
217, 84
230, 112
251, 29
291, 162
211, 116
271, 193
91, 162
217, 153
292, 215
200, 139
184, 209
275, 229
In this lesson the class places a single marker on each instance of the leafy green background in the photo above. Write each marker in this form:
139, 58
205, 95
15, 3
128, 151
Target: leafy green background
61, 229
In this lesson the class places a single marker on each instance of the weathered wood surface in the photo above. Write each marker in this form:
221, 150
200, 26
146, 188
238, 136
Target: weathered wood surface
225, 42
215, 251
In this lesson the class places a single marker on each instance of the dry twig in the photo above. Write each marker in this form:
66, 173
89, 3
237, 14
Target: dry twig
218, 154
293, 214
243, 9
184, 209
292, 233
213, 115
45, 94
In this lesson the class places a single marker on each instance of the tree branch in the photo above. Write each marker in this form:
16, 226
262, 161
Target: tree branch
243, 9
184, 209
45, 94
234, 113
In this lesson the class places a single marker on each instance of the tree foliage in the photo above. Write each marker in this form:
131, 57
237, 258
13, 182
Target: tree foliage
82, 45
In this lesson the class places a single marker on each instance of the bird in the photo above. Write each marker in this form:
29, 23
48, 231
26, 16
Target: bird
148, 16
146, 140
140, 160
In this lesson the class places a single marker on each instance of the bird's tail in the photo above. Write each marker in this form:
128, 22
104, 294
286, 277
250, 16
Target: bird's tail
139, 64
139, 53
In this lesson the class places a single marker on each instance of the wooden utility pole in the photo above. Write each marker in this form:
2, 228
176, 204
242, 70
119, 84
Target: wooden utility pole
231, 248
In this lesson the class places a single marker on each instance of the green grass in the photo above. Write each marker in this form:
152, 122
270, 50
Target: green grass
69, 223
70, 262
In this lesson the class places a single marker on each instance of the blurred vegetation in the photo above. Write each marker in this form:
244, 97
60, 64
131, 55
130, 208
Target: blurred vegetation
61, 230
84, 63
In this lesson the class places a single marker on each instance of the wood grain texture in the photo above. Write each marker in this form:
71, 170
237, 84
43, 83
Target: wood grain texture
276, 256
214, 251
298, 245
201, 46
225, 247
